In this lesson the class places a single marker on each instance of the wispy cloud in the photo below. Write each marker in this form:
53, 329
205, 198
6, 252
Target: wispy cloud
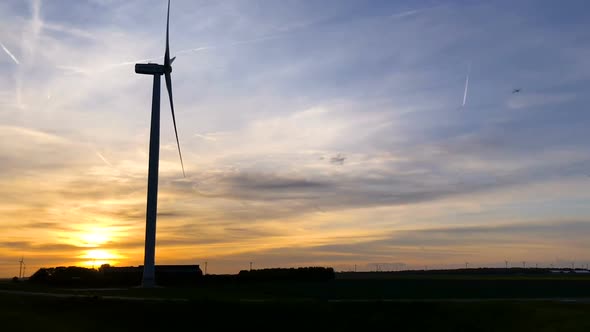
302, 143
103, 68
206, 137
68, 30
412, 12
526, 100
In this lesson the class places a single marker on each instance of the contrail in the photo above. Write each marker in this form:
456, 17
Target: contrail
10, 54
103, 158
190, 50
466, 84
199, 49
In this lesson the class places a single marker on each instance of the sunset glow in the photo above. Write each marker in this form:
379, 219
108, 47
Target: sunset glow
311, 134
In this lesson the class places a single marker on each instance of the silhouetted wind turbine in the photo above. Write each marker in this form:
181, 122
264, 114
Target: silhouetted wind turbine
20, 269
156, 70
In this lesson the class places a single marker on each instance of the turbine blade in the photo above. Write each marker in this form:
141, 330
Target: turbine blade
169, 88
167, 53
172, 60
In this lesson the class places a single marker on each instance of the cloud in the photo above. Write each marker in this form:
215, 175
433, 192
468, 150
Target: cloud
68, 30
257, 182
413, 12
453, 244
266, 110
36, 135
338, 159
205, 137
528, 100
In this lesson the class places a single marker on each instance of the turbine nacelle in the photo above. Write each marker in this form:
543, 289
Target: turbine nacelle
150, 69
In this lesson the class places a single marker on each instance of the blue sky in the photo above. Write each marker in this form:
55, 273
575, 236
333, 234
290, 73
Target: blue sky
314, 132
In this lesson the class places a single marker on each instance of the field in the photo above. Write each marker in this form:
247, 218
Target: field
359, 301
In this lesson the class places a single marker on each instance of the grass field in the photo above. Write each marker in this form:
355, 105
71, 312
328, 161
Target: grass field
485, 304
75, 314
360, 286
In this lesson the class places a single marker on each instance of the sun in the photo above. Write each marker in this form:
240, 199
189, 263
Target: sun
97, 257
98, 254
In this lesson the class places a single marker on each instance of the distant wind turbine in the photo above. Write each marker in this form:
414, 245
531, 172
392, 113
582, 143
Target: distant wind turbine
156, 70
20, 269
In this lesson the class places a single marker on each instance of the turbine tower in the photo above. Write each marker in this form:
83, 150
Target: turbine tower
156, 70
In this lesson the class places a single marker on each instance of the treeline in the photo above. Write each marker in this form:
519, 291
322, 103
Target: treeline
292, 274
109, 276
70, 275
482, 271
105, 276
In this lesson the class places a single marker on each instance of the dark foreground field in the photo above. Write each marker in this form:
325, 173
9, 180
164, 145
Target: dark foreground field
439, 303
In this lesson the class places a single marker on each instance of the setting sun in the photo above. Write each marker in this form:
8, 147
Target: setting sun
98, 257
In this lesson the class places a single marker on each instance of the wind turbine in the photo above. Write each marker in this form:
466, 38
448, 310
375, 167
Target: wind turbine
20, 269
156, 70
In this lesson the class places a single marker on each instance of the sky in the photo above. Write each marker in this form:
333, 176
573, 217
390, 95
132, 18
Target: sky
314, 133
